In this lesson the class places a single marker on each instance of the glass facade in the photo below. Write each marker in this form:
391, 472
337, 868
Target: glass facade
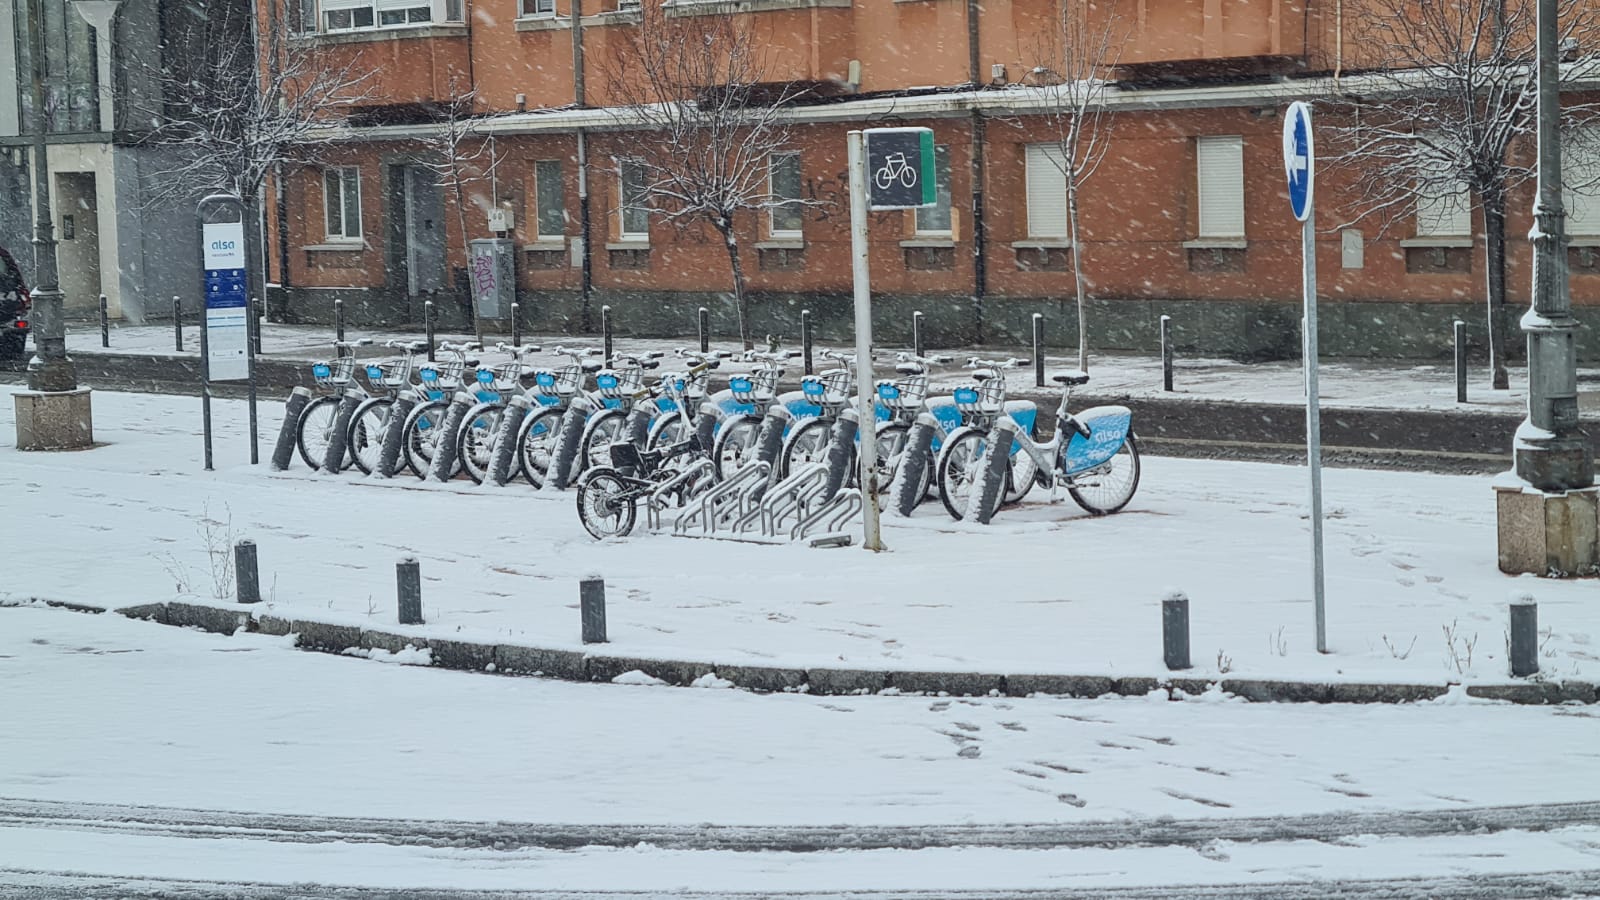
71, 98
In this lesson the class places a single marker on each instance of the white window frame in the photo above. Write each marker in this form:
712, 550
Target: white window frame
624, 166
435, 11
347, 177
944, 199
538, 9
778, 205
1219, 174
1046, 186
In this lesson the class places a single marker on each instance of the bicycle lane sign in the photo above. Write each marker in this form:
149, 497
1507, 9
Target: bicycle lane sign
900, 168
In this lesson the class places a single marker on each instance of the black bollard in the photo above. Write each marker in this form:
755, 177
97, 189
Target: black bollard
704, 322
1038, 349
246, 577
1524, 636
1166, 353
427, 325
516, 325
1175, 630
1460, 331
605, 333
408, 579
283, 451
338, 319
105, 323
805, 338
592, 606
916, 334
177, 323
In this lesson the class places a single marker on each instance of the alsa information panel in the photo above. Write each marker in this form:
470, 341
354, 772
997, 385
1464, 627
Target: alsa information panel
227, 306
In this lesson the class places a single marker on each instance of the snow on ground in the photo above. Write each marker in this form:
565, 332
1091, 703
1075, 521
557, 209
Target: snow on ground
1373, 384
1413, 590
101, 709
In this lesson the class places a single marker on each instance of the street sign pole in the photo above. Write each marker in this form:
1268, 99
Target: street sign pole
872, 539
1299, 162
226, 353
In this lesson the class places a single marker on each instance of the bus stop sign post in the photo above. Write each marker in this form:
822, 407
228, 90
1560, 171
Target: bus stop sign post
890, 168
1299, 164
226, 353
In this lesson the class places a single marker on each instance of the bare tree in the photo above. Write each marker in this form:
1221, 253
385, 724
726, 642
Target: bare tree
1456, 90
462, 157
697, 86
242, 103
1074, 68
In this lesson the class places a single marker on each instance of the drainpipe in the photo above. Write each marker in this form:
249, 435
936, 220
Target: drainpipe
980, 269
586, 280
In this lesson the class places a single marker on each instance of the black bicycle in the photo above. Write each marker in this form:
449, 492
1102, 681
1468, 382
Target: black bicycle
608, 498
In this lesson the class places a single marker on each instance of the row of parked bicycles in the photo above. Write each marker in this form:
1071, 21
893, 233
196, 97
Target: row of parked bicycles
627, 430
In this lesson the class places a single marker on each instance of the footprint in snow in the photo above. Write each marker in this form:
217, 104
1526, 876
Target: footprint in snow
972, 752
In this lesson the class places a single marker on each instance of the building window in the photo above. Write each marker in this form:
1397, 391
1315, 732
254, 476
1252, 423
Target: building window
550, 217
935, 219
1581, 175
341, 204
539, 9
1047, 192
783, 186
348, 15
1221, 179
635, 201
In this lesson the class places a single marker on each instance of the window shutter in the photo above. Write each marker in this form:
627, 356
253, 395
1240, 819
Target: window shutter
1221, 171
1583, 169
1047, 191
1448, 216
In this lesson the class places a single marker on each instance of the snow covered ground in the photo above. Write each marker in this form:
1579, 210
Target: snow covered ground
195, 731
1413, 590
1344, 384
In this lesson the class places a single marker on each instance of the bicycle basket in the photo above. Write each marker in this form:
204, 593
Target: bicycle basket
992, 394
967, 398
835, 385
443, 376
568, 380
335, 371
395, 373
544, 381
759, 386
905, 393
508, 376
619, 383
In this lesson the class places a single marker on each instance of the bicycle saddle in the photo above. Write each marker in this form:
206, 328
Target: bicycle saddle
1071, 377
592, 366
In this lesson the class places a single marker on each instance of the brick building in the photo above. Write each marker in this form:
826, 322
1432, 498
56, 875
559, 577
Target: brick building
1187, 216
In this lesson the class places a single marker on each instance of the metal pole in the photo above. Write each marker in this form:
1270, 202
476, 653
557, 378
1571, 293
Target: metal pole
246, 577
338, 319
1166, 353
516, 324
105, 323
592, 608
177, 323
205, 386
50, 369
408, 584
250, 361
871, 539
1038, 349
916, 334
1524, 636
805, 337
1308, 249
427, 325
1175, 631
1460, 330
1551, 453
704, 322
605, 333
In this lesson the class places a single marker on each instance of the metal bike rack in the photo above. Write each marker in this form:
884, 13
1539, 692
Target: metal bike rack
830, 516
792, 497
727, 502
656, 503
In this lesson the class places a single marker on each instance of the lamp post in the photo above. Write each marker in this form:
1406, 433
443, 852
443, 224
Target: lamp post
1548, 519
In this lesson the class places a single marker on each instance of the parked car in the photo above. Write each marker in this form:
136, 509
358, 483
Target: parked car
15, 304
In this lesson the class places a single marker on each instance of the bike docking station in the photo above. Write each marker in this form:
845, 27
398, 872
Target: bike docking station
226, 351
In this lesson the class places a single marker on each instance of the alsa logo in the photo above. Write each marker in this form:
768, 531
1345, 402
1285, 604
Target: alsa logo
222, 245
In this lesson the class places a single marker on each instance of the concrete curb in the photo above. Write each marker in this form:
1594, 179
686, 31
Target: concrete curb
576, 665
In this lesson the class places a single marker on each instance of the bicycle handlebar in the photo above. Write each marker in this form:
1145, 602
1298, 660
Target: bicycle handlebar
503, 347
577, 353
351, 345
1014, 362
407, 347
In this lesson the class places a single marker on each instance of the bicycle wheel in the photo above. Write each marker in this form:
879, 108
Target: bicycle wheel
736, 445
421, 437
960, 465
891, 451
604, 507
367, 427
1108, 487
314, 430
807, 443
908, 177
535, 442
883, 178
601, 431
475, 442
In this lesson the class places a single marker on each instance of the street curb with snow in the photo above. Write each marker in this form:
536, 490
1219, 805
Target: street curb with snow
585, 666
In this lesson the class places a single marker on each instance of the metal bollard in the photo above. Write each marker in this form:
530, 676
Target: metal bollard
177, 323
505, 442
339, 441
605, 334
516, 324
427, 325
805, 338
443, 467
1166, 353
1038, 349
592, 606
105, 323
703, 319
916, 334
394, 433
1175, 630
283, 451
246, 577
338, 319
408, 581
1524, 635
1460, 330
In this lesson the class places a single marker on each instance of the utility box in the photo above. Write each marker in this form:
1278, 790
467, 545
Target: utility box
491, 271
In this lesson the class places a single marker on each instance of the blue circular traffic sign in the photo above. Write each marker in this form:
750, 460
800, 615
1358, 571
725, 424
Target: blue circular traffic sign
1299, 158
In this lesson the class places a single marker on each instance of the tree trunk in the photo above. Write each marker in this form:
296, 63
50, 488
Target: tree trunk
466, 252
741, 301
1077, 274
1494, 230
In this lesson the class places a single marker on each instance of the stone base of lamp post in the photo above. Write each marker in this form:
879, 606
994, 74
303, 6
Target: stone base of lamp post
54, 420
1548, 533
